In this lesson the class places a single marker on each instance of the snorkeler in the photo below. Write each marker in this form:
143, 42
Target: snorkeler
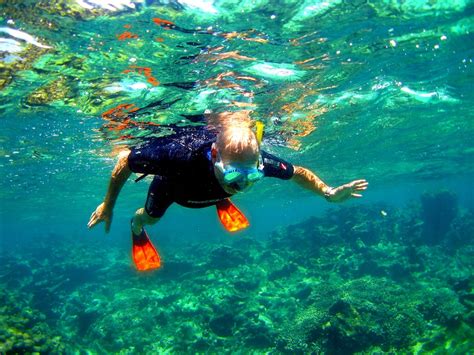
198, 167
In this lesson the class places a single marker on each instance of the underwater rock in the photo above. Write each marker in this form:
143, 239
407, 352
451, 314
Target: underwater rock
173, 269
246, 243
437, 212
303, 293
346, 332
246, 285
85, 320
189, 334
259, 341
201, 345
227, 257
283, 272
371, 267
414, 258
305, 238
222, 325
359, 315
467, 300
398, 271
442, 306
462, 283
258, 334
461, 231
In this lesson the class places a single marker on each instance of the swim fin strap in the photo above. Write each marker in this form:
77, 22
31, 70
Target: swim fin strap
230, 216
144, 253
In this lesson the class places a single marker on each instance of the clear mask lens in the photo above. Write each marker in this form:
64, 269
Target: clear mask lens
241, 179
255, 176
233, 176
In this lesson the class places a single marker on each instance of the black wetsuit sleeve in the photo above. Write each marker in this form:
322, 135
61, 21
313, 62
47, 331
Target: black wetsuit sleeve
276, 167
157, 157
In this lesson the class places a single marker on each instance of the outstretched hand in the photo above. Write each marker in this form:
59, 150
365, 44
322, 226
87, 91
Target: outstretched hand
101, 214
346, 191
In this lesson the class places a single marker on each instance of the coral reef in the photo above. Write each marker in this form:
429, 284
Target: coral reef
351, 281
23, 329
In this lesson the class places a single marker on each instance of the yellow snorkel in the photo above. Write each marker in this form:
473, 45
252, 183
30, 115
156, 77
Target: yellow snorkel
259, 131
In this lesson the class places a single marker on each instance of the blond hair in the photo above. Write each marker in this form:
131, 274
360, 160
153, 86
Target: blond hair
237, 142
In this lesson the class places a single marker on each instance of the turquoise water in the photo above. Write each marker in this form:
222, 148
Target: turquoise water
377, 90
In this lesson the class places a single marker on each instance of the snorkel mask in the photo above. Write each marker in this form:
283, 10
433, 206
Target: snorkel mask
240, 179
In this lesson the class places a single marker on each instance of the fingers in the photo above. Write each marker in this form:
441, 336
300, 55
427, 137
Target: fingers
100, 215
92, 221
359, 185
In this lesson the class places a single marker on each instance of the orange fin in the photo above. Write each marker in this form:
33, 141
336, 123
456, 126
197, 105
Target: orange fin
144, 253
230, 216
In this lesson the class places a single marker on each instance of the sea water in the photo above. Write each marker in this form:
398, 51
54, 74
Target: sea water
376, 90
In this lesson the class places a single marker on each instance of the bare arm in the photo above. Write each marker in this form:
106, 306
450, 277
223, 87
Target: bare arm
307, 179
120, 175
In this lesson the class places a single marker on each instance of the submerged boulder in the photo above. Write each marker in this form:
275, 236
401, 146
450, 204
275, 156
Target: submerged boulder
227, 257
223, 325
437, 212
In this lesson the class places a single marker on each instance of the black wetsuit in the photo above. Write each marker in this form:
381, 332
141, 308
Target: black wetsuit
184, 173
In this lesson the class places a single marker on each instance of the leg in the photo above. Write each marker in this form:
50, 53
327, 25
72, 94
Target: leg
140, 219
158, 200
